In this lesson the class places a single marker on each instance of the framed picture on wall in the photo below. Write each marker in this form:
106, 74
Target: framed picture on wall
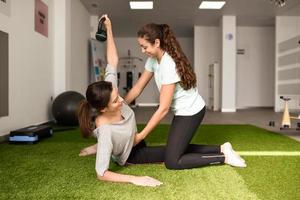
41, 18
5, 7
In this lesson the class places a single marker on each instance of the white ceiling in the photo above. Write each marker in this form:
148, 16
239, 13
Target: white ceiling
182, 15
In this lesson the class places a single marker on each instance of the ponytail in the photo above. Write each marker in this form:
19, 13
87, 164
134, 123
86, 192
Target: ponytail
183, 66
97, 98
86, 119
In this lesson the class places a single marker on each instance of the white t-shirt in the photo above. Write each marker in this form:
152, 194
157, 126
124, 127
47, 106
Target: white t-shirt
185, 102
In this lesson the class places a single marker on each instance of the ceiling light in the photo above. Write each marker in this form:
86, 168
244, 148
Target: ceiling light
212, 4
141, 4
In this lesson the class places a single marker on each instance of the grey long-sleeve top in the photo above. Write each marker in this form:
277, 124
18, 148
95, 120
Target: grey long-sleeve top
115, 140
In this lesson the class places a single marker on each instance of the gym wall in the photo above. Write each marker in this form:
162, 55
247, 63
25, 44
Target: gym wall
80, 32
287, 61
207, 50
30, 61
255, 67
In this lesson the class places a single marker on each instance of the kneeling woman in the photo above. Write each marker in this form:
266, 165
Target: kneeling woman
106, 116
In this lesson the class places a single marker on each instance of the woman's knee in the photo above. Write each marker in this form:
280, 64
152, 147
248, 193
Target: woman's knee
171, 164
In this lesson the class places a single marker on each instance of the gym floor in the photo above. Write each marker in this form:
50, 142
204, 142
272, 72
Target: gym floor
259, 117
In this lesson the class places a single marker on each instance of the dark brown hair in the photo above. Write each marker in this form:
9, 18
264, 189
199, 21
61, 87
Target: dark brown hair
168, 43
97, 98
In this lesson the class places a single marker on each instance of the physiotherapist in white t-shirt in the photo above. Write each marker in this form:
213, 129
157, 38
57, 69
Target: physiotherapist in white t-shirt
176, 82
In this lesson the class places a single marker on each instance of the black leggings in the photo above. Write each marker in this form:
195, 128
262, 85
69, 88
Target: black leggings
179, 153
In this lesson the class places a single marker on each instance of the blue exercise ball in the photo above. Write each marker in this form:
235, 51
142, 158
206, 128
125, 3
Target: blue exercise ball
64, 108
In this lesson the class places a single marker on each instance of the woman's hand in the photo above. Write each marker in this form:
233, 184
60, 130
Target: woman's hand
145, 181
88, 151
138, 138
107, 22
124, 178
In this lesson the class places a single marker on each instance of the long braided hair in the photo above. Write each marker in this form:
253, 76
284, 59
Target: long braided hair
168, 43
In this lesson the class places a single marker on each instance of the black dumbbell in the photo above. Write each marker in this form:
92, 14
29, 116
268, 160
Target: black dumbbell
101, 34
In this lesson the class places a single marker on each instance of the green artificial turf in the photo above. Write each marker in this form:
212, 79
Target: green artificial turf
52, 169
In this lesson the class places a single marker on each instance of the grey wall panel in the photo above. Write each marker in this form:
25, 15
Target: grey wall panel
3, 74
289, 74
289, 59
289, 44
290, 89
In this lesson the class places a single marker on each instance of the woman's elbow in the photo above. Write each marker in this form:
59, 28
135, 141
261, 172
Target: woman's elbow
100, 178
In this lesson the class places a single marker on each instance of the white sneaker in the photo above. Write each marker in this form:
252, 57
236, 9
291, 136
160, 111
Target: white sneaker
227, 147
234, 161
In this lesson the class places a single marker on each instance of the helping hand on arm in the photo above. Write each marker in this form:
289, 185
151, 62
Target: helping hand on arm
165, 100
138, 87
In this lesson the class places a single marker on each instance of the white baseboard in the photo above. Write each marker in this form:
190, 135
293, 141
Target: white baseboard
253, 107
228, 110
147, 104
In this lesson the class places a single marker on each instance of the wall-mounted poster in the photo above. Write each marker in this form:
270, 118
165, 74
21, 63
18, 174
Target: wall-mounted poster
5, 7
41, 17
97, 61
